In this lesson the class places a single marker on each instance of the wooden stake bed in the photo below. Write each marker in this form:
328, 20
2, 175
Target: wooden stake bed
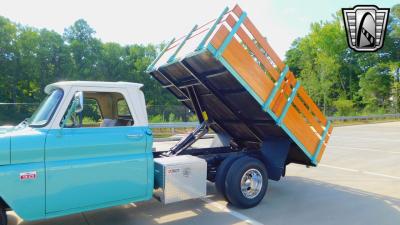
230, 71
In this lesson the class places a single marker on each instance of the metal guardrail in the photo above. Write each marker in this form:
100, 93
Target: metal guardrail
331, 118
370, 117
174, 125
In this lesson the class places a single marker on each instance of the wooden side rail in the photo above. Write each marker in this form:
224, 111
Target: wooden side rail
234, 40
241, 45
196, 31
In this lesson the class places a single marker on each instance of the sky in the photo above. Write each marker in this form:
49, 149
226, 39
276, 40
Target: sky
152, 21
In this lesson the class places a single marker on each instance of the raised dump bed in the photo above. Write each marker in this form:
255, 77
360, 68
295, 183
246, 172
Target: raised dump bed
227, 69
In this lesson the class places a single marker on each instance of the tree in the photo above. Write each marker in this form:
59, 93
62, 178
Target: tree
376, 87
85, 49
333, 74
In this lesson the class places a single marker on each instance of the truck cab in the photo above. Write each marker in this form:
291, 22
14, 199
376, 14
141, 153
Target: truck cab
87, 146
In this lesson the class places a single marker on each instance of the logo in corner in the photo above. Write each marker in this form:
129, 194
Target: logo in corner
365, 27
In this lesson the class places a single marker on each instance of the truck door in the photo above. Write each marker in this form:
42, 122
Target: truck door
98, 158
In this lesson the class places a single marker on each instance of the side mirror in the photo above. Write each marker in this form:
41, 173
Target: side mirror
78, 98
76, 106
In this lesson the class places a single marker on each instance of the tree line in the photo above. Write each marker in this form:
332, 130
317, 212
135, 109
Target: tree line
32, 58
341, 81
345, 82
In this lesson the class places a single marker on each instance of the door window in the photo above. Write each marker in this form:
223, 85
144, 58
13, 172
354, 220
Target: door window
101, 109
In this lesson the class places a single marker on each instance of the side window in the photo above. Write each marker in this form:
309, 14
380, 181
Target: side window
91, 113
89, 117
101, 109
122, 108
123, 113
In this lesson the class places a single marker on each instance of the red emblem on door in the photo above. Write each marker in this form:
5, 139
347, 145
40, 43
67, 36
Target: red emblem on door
28, 175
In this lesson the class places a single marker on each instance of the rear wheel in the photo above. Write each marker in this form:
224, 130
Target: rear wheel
246, 182
221, 174
3, 217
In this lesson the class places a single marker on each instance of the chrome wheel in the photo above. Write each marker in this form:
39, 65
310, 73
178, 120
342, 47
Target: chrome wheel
251, 183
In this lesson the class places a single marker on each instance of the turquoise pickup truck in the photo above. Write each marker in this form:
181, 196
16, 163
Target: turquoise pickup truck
57, 163
89, 144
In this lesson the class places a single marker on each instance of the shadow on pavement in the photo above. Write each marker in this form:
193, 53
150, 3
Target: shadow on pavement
293, 200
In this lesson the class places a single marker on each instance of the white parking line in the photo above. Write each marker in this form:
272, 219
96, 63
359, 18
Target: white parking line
339, 168
361, 149
360, 171
231, 212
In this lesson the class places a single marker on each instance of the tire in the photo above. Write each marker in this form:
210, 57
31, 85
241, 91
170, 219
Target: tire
246, 171
221, 174
3, 217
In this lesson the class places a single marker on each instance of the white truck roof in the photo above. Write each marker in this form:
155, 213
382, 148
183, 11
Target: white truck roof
65, 84
133, 95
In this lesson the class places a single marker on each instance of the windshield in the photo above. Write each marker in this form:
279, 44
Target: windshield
46, 109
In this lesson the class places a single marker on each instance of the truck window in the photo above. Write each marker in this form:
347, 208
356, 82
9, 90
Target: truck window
101, 109
91, 114
46, 109
122, 108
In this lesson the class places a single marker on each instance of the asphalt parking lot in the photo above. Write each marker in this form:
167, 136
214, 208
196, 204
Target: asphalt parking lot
357, 182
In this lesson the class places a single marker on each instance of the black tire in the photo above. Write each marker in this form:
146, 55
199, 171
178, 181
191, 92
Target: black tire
221, 174
233, 182
3, 217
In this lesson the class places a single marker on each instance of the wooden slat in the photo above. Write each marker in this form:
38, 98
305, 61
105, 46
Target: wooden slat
296, 124
280, 100
260, 56
321, 153
313, 107
278, 103
299, 104
244, 64
260, 39
292, 79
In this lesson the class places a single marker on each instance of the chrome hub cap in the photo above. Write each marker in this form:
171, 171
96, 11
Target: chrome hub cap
251, 183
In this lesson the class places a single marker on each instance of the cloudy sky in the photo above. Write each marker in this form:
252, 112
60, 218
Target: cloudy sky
152, 21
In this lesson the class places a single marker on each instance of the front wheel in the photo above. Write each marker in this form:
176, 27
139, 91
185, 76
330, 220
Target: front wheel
3, 217
246, 182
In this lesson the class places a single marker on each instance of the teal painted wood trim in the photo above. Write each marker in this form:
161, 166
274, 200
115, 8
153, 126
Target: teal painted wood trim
258, 99
297, 141
217, 21
231, 34
172, 58
276, 88
150, 67
321, 142
288, 103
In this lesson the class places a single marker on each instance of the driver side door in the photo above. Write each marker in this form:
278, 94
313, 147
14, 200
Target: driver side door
87, 167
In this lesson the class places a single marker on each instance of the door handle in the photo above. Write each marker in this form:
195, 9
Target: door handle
135, 135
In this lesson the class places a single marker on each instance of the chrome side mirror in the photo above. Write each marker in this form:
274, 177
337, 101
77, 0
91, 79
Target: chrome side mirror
78, 98
76, 106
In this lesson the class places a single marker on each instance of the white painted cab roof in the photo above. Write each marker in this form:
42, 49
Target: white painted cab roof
66, 84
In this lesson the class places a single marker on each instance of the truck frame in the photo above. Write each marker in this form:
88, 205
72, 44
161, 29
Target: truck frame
225, 71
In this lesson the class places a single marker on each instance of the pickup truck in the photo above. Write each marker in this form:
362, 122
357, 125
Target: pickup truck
89, 145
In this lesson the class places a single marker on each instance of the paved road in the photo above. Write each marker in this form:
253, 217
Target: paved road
357, 182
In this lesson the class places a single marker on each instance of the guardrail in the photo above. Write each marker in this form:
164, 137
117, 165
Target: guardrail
370, 117
331, 118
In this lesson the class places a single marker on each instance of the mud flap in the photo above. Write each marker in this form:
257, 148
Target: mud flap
274, 154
